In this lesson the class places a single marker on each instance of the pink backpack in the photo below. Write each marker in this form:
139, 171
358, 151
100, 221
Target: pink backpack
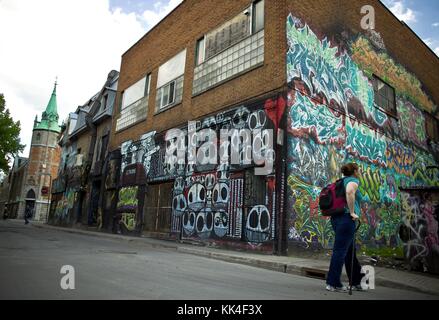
332, 199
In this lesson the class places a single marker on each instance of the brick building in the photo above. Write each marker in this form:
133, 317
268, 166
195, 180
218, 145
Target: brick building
307, 87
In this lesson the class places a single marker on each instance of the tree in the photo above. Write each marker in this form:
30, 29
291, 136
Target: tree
9, 136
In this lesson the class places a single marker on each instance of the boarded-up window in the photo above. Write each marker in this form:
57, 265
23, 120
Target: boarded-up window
432, 127
158, 207
255, 189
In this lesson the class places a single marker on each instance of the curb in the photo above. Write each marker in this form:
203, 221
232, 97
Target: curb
289, 268
300, 271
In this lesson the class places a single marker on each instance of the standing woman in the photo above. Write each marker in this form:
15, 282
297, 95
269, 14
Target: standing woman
344, 227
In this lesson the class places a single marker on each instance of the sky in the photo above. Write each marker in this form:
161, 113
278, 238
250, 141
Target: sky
81, 41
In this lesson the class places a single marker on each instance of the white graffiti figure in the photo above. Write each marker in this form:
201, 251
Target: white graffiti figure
175, 150
257, 120
196, 198
189, 222
415, 222
240, 118
147, 149
179, 205
204, 223
258, 225
221, 194
221, 223
125, 151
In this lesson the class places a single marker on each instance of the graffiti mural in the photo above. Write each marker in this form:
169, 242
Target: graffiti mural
309, 162
127, 207
365, 144
371, 182
330, 76
139, 153
63, 214
399, 157
420, 233
405, 83
316, 121
333, 119
412, 124
208, 200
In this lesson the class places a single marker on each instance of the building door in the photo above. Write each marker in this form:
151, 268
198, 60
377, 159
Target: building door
30, 202
158, 208
95, 215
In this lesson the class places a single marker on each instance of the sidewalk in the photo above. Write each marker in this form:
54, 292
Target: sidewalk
315, 268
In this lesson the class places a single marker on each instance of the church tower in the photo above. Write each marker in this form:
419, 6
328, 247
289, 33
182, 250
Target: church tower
44, 157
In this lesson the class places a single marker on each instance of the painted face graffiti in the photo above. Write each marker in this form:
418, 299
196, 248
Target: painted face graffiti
258, 224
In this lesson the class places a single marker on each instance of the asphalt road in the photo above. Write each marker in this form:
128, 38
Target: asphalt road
31, 260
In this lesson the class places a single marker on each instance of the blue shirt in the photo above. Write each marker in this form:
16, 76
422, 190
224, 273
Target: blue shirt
358, 196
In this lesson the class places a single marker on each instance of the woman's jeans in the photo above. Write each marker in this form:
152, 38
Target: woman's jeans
344, 228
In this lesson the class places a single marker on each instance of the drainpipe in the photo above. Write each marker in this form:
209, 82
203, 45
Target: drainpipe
280, 243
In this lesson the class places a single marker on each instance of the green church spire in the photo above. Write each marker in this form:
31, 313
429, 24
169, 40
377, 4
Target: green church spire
49, 120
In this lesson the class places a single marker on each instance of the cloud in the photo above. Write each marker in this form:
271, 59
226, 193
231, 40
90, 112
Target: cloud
428, 42
436, 24
152, 17
79, 41
401, 11
432, 43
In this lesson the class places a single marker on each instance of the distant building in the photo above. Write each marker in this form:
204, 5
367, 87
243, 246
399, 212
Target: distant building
11, 188
30, 178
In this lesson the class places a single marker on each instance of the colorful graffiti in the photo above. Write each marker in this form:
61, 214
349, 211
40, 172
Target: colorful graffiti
317, 121
317, 64
412, 124
127, 207
371, 182
332, 120
309, 162
420, 233
399, 157
405, 83
330, 75
63, 213
309, 227
365, 144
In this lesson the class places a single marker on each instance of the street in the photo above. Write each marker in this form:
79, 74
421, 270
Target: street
31, 259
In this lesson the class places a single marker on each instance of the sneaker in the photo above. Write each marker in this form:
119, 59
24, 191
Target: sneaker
360, 288
336, 289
